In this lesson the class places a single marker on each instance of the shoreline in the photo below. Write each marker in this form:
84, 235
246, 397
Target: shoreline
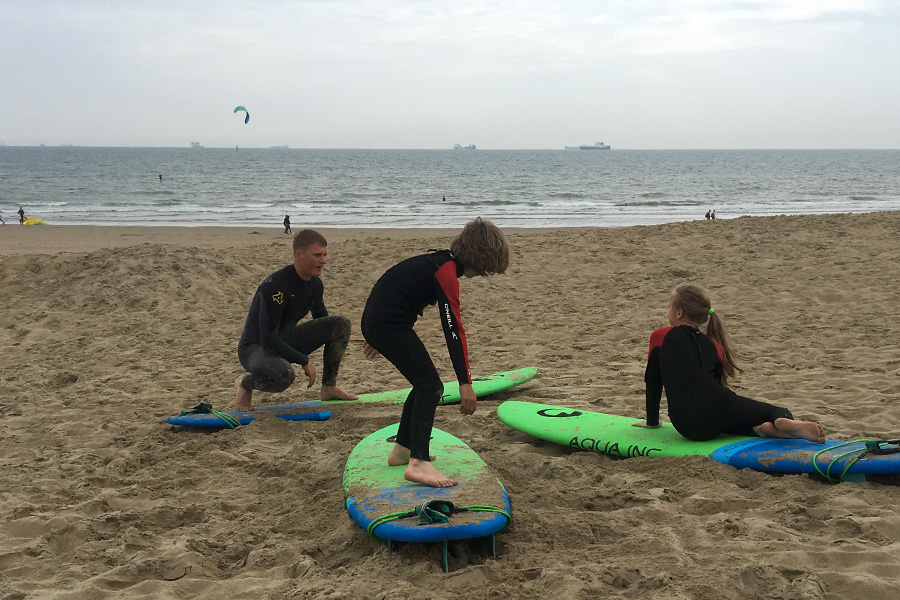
52, 239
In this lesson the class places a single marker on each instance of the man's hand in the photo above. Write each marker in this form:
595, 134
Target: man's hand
468, 400
369, 351
310, 371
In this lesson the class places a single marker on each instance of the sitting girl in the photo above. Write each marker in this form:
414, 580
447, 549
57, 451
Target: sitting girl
694, 368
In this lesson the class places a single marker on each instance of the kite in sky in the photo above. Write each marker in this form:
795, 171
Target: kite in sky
247, 118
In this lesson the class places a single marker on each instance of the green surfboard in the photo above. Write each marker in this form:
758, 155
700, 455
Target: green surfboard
482, 386
616, 435
383, 503
318, 410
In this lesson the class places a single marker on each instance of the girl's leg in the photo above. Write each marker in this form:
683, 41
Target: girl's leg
784, 428
767, 420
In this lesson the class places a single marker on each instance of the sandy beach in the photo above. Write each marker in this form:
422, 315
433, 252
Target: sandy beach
106, 331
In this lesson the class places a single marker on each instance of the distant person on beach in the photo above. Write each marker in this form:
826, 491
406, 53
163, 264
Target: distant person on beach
712, 215
21, 216
394, 305
707, 215
287, 224
694, 368
273, 336
1, 219
160, 177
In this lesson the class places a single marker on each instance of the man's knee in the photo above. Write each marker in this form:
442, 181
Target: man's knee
284, 379
275, 381
341, 328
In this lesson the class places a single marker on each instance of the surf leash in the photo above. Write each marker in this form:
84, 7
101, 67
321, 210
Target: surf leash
230, 421
878, 447
205, 408
431, 512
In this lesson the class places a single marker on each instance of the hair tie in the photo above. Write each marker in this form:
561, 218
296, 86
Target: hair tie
711, 311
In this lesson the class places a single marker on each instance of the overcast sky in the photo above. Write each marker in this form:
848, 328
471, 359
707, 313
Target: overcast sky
427, 74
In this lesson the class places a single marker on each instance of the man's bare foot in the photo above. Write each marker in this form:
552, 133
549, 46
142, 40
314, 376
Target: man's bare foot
333, 392
792, 429
400, 456
244, 397
422, 471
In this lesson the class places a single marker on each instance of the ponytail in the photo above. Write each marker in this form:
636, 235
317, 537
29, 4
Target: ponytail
696, 305
715, 329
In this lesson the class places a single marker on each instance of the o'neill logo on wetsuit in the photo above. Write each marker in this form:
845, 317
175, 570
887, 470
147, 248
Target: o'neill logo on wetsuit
279, 298
449, 320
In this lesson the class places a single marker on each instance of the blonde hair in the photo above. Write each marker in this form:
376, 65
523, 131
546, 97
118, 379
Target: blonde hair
695, 303
481, 247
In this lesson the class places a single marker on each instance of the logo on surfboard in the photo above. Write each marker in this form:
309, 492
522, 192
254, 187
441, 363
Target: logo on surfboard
558, 413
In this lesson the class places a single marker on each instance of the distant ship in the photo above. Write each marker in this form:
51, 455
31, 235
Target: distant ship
458, 147
284, 147
196, 145
596, 146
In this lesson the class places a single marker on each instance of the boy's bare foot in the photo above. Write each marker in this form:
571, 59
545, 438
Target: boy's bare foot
333, 392
422, 471
792, 429
244, 397
400, 456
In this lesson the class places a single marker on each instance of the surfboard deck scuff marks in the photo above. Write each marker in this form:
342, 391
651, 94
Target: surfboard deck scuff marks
375, 489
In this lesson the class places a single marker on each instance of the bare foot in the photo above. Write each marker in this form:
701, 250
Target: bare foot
333, 392
400, 456
792, 429
244, 397
422, 471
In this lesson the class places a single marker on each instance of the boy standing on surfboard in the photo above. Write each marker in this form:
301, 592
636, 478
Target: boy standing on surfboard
396, 301
273, 336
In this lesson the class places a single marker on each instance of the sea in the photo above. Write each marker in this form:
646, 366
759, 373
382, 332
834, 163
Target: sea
70, 185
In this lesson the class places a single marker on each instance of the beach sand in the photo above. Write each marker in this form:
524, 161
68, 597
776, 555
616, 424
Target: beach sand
107, 331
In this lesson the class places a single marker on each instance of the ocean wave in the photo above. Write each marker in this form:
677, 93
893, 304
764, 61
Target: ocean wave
660, 203
566, 195
405, 189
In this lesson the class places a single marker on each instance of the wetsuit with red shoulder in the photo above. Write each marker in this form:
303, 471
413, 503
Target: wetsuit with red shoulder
689, 366
398, 298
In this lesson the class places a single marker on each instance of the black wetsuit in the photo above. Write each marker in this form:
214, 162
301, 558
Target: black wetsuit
396, 301
273, 337
689, 365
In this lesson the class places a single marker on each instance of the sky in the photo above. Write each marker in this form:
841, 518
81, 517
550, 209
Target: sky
500, 74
